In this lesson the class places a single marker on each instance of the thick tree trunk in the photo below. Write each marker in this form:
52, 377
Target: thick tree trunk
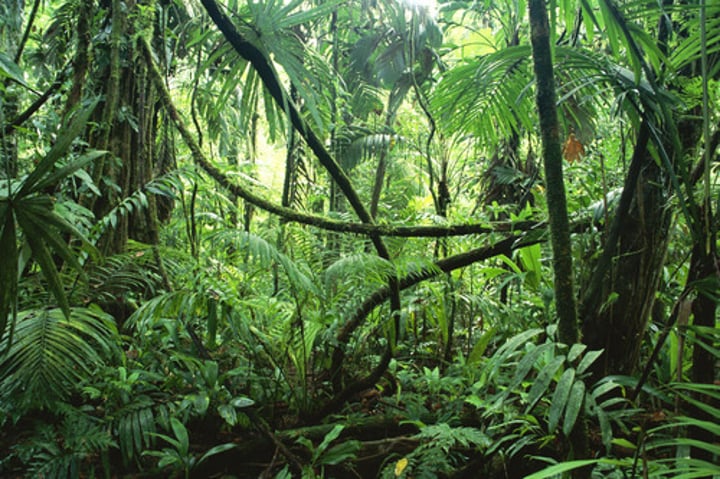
621, 294
130, 138
616, 315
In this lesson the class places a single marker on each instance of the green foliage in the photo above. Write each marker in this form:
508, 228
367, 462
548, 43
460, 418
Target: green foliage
324, 454
664, 456
439, 451
26, 209
252, 318
50, 355
542, 393
66, 450
178, 456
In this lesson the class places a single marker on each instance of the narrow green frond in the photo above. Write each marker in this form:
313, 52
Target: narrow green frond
65, 139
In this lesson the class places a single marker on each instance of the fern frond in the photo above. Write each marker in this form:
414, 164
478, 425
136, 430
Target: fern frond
265, 255
357, 270
65, 450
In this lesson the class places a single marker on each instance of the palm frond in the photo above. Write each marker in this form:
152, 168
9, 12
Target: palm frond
50, 355
277, 24
357, 145
488, 96
134, 426
132, 273
167, 306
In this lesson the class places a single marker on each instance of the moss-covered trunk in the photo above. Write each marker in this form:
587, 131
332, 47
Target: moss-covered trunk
129, 130
552, 160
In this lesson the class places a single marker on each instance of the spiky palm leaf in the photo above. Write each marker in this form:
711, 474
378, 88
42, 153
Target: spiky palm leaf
488, 96
133, 272
26, 208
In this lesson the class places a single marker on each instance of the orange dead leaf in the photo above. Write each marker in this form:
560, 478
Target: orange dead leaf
573, 149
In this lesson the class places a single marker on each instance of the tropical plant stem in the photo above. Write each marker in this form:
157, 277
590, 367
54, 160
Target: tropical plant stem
568, 331
555, 186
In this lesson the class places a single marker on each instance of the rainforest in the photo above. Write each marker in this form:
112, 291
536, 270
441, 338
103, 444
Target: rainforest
359, 239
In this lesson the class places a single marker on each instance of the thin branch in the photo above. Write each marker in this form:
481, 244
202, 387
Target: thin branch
26, 33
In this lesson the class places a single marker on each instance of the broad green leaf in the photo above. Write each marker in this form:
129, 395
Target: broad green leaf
329, 437
341, 453
530, 259
604, 387
682, 441
481, 346
216, 450
10, 69
574, 404
575, 351
500, 358
136, 424
180, 432
242, 402
587, 360
510, 263
200, 402
540, 386
605, 428
168, 457
690, 421
622, 442
560, 397
523, 368
228, 413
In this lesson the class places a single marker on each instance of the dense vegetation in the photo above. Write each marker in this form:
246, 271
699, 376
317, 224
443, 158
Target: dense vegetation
359, 238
